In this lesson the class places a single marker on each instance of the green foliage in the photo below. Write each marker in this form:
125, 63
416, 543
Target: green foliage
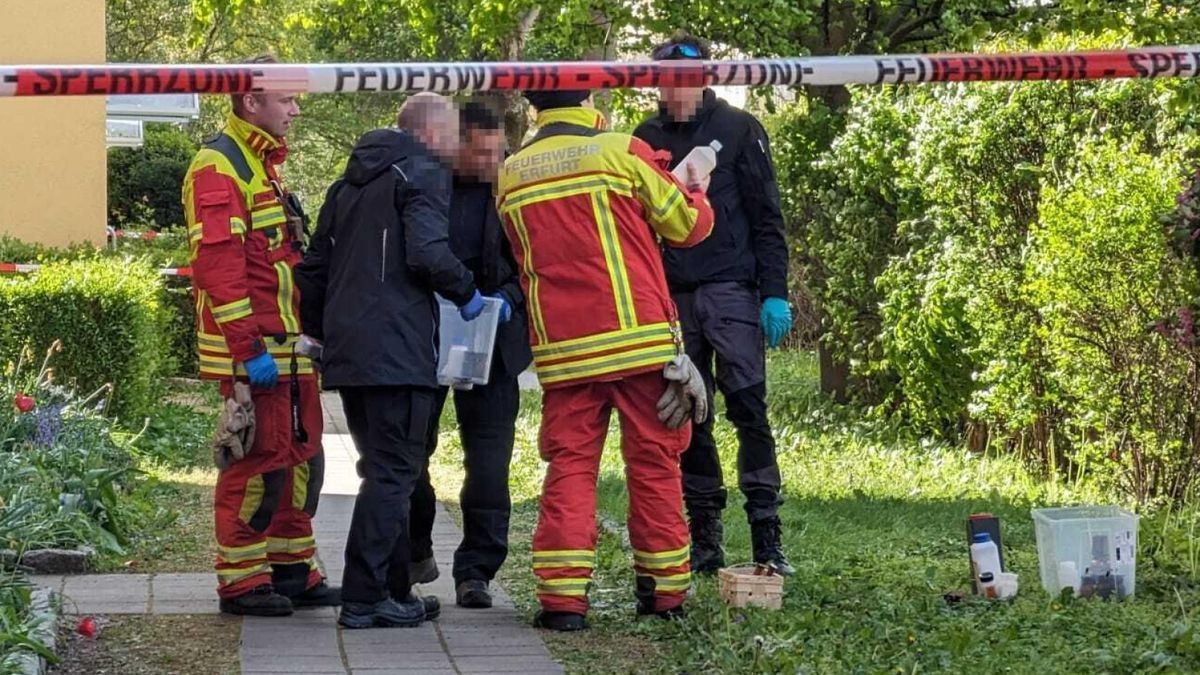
144, 183
109, 316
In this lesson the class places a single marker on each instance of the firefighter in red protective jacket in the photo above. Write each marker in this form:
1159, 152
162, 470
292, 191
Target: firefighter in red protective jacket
581, 207
246, 235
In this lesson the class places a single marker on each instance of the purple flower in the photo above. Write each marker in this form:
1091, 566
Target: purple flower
49, 426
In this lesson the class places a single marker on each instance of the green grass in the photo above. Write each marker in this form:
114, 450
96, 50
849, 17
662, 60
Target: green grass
874, 522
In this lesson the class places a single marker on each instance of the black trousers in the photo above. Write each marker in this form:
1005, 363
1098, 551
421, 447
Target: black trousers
721, 323
487, 419
389, 426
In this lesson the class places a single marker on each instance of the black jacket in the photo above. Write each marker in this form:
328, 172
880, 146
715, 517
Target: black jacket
379, 252
747, 243
496, 273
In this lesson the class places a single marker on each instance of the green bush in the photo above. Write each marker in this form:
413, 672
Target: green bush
110, 317
144, 183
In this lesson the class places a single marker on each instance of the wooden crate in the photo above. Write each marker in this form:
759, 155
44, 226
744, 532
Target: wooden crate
751, 586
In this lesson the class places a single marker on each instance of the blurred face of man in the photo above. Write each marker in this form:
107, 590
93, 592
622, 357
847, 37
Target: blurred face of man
681, 103
440, 133
273, 113
481, 154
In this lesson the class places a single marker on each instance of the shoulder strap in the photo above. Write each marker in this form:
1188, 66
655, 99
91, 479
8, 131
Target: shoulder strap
224, 144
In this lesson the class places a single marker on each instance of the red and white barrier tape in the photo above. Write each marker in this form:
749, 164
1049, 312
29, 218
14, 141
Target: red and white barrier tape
19, 268
119, 79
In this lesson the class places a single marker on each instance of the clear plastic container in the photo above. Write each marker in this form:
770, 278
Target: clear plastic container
1091, 549
465, 348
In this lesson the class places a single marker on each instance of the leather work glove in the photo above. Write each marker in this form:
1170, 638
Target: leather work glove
776, 320
262, 371
473, 308
685, 395
235, 428
505, 308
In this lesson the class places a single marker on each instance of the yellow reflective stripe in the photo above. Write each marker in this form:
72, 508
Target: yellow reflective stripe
573, 587
606, 364
563, 552
232, 576
661, 561
238, 309
235, 554
604, 341
672, 582
281, 545
673, 199
212, 342
610, 243
300, 476
535, 310
564, 558
564, 564
566, 188
237, 226
216, 365
268, 218
252, 499
286, 293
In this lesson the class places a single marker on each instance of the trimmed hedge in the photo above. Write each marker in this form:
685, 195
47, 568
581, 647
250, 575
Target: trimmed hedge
111, 318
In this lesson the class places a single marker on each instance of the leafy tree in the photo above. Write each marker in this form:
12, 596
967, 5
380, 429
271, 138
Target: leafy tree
144, 183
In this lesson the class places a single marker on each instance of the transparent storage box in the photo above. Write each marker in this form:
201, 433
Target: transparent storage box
465, 347
1091, 549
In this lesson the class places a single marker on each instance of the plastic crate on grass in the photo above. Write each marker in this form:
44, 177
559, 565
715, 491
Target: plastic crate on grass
1091, 549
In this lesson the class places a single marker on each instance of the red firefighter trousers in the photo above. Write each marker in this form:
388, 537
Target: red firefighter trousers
264, 504
574, 424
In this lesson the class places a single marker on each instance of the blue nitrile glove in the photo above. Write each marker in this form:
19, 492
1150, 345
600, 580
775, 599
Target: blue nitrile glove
262, 371
505, 308
473, 308
776, 320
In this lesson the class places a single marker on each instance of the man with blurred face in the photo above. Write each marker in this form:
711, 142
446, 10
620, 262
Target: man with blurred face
246, 235
732, 296
487, 414
380, 252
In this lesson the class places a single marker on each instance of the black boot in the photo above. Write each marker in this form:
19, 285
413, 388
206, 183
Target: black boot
386, 613
563, 622
473, 594
321, 595
261, 601
423, 571
433, 606
676, 612
766, 538
708, 554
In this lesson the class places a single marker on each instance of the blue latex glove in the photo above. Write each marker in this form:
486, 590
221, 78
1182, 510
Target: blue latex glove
262, 371
776, 320
505, 308
473, 308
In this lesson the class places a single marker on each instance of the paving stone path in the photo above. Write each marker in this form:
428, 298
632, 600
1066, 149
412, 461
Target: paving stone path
460, 642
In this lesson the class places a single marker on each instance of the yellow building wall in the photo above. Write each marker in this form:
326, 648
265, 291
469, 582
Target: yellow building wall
52, 151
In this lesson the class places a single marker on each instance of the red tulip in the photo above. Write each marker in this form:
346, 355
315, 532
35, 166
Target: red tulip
24, 402
87, 627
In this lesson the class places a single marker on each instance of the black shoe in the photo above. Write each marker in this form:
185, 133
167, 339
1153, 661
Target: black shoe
766, 538
473, 594
423, 571
708, 555
563, 622
321, 595
675, 613
385, 614
261, 601
433, 606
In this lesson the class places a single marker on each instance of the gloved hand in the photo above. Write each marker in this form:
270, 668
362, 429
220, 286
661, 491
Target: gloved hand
473, 308
685, 394
235, 428
776, 320
505, 308
262, 371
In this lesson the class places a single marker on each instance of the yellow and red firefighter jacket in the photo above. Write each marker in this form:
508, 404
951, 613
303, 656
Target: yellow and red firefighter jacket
242, 253
582, 208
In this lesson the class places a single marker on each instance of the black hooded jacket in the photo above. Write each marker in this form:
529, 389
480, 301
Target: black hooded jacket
380, 251
747, 243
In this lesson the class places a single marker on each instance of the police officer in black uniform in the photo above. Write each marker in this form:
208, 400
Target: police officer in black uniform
731, 291
486, 414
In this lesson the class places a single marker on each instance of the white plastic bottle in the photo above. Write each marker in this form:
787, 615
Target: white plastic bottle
703, 157
985, 557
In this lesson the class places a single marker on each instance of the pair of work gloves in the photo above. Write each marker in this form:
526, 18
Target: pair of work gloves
476, 305
235, 428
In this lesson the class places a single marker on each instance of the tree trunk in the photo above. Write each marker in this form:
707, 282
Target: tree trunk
835, 373
516, 117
